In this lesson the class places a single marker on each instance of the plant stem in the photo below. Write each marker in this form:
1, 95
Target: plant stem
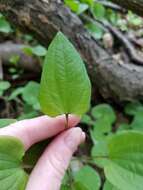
67, 120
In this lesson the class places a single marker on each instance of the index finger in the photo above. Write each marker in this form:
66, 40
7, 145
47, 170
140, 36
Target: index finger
31, 131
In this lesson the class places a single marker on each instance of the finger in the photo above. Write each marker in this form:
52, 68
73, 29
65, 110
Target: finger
51, 167
34, 130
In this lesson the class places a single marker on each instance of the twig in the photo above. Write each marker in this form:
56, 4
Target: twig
111, 6
127, 44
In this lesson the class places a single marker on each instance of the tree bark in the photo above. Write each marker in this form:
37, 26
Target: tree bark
113, 78
135, 5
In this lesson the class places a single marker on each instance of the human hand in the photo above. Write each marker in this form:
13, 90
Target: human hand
50, 169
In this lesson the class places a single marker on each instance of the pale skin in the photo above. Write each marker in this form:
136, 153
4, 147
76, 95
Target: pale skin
50, 169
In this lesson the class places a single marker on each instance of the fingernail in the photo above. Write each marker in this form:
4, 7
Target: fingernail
83, 137
74, 138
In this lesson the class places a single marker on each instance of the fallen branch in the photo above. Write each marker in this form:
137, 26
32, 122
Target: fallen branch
8, 50
111, 5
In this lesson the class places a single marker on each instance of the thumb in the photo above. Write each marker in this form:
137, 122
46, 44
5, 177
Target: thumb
51, 167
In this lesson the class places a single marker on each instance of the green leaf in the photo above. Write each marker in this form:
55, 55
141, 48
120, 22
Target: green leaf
4, 26
123, 166
15, 93
65, 183
76, 6
5, 122
109, 186
89, 2
87, 178
1, 15
95, 30
86, 119
137, 123
12, 176
4, 85
28, 112
99, 153
123, 127
79, 186
30, 94
65, 187
14, 59
101, 129
28, 50
99, 11
133, 108
112, 16
65, 87
39, 51
104, 110
134, 20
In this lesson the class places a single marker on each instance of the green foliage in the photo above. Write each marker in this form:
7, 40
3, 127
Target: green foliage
112, 16
88, 2
95, 30
124, 168
11, 172
135, 109
29, 94
119, 153
103, 117
99, 152
4, 25
28, 112
14, 59
4, 85
99, 11
86, 119
134, 20
104, 111
38, 50
76, 6
16, 92
109, 186
122, 162
6, 122
65, 87
87, 179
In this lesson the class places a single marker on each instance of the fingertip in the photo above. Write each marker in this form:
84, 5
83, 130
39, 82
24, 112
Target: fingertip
73, 120
73, 138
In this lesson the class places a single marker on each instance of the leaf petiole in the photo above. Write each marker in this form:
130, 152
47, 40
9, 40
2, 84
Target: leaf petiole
67, 121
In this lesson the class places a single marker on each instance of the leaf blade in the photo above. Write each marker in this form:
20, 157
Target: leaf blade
11, 174
65, 87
